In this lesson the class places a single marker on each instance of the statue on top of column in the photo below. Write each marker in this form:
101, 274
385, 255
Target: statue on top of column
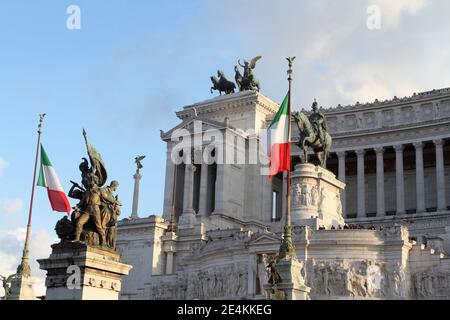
138, 160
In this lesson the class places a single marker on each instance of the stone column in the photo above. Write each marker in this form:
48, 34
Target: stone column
381, 212
420, 186
399, 179
440, 175
203, 190
188, 189
361, 184
219, 204
188, 216
341, 177
137, 178
169, 180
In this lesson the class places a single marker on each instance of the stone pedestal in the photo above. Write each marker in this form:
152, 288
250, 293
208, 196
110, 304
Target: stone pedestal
76, 271
22, 288
292, 285
315, 197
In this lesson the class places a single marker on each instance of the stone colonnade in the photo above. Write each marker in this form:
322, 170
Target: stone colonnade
399, 178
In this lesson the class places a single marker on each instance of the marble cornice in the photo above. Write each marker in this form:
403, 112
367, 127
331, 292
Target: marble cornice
391, 129
424, 97
229, 102
406, 136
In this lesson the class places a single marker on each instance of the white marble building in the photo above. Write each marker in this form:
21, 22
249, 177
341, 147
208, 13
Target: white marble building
230, 216
394, 157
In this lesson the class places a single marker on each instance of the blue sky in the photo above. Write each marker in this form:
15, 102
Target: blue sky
134, 63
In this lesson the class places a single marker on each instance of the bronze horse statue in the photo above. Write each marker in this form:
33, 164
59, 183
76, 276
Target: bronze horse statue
222, 84
310, 139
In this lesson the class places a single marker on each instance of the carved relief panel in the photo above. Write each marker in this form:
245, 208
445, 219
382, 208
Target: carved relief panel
388, 118
444, 108
407, 115
369, 121
350, 122
427, 111
332, 124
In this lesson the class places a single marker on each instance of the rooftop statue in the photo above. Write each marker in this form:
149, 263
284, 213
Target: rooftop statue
247, 81
313, 134
244, 82
222, 84
94, 218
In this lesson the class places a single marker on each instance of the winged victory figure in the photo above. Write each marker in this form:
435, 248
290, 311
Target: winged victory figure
248, 81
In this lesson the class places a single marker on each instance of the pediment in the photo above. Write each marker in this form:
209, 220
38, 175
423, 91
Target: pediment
206, 124
266, 239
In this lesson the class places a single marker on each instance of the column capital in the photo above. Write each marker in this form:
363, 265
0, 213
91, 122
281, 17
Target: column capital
418, 145
360, 152
438, 142
137, 176
341, 154
379, 150
399, 148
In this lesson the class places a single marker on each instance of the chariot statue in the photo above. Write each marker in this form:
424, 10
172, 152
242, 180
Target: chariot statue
247, 81
313, 134
222, 84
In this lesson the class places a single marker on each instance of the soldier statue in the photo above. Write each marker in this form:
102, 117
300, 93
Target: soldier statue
318, 122
88, 208
94, 218
314, 134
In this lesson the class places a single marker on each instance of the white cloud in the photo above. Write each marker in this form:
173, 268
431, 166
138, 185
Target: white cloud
3, 165
339, 60
11, 206
11, 246
393, 11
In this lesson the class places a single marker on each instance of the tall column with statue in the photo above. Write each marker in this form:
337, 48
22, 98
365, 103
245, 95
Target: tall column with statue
137, 178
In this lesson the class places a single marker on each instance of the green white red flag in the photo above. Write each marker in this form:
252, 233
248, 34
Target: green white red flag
48, 179
279, 147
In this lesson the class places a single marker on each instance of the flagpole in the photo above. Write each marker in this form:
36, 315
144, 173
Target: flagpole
287, 246
24, 267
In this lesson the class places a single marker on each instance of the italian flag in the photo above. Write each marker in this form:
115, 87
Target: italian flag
48, 179
279, 147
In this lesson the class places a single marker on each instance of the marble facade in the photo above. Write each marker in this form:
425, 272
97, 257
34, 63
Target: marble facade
391, 162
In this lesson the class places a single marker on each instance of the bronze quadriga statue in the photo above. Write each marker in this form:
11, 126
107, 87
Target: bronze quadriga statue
244, 82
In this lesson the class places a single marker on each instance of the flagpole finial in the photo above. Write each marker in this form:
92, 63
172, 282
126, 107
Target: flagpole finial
289, 71
41, 120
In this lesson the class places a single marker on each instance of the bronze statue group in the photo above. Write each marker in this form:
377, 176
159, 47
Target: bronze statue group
94, 218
